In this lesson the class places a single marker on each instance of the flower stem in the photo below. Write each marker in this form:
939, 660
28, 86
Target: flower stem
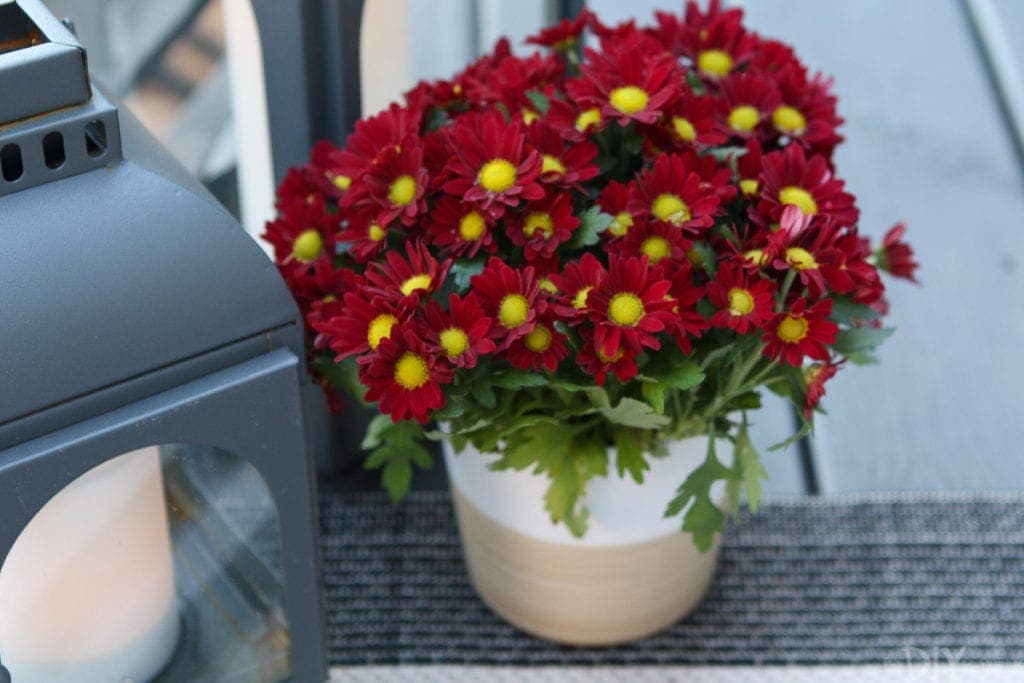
786, 285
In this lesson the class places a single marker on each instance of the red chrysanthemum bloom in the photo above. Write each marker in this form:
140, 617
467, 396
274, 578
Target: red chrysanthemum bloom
360, 325
800, 331
630, 307
374, 136
461, 332
715, 41
573, 122
512, 79
815, 377
405, 377
895, 256
669, 192
511, 297
574, 285
715, 176
303, 236
405, 281
364, 236
395, 184
810, 250
614, 200
543, 348
563, 165
691, 122
744, 302
748, 168
592, 359
788, 177
461, 229
807, 111
542, 226
493, 166
688, 323
659, 242
565, 35
630, 84
747, 101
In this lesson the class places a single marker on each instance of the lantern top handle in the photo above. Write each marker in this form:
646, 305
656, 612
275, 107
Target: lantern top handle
41, 62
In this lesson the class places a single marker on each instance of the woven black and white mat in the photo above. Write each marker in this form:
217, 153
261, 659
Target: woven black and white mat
836, 581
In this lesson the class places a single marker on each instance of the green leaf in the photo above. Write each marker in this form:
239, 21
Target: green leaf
849, 313
397, 476
592, 223
654, 394
861, 358
462, 272
343, 375
749, 467
376, 431
750, 400
806, 428
483, 393
542, 446
539, 101
629, 412
684, 375
703, 519
518, 380
395, 448
860, 339
706, 257
629, 456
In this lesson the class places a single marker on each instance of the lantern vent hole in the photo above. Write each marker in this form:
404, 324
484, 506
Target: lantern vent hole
53, 150
11, 165
17, 32
95, 138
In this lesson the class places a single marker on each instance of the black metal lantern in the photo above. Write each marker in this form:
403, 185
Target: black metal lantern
157, 516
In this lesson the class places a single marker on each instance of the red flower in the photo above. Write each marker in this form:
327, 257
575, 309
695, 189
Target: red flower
509, 296
565, 35
360, 326
542, 226
801, 331
564, 166
573, 122
748, 167
543, 348
669, 192
659, 242
613, 201
807, 111
629, 84
405, 377
493, 166
303, 236
396, 183
895, 256
788, 177
744, 302
364, 236
461, 229
630, 307
688, 322
715, 41
406, 281
460, 333
747, 102
815, 377
691, 121
373, 137
592, 359
574, 285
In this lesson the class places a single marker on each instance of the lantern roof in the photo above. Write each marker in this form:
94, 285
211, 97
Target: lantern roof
115, 263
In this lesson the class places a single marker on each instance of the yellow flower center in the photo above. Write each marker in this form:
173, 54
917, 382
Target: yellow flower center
307, 246
411, 371
740, 301
330, 298
605, 358
547, 285
454, 341
539, 339
529, 115
656, 248
588, 118
497, 175
756, 256
750, 186
402, 191
629, 99
789, 120
472, 226
380, 328
342, 182
552, 164
513, 310
684, 129
801, 259
538, 220
791, 330
621, 224
625, 309
376, 233
416, 282
580, 300
714, 62
800, 198
669, 207
744, 118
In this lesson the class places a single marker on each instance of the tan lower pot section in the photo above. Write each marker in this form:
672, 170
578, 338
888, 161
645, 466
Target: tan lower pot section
583, 595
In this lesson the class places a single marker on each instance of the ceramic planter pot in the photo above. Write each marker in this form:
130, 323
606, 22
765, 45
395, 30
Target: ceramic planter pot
633, 574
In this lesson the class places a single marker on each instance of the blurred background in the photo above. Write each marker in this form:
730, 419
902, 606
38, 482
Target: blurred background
933, 95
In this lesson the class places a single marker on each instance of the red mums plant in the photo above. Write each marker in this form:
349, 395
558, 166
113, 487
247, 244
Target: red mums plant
618, 246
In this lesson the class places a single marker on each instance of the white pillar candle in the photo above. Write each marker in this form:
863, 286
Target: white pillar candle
87, 592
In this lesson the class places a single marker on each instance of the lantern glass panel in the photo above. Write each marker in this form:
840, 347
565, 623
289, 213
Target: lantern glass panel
160, 564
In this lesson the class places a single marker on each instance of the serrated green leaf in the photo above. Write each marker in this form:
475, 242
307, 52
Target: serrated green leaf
706, 257
629, 456
543, 446
749, 467
518, 380
342, 375
849, 313
654, 394
861, 358
684, 375
483, 393
375, 432
591, 457
633, 413
463, 271
592, 223
703, 520
861, 339
396, 477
